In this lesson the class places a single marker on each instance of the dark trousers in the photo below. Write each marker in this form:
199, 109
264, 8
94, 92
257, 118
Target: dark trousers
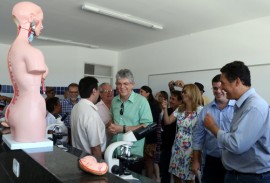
236, 177
213, 171
165, 158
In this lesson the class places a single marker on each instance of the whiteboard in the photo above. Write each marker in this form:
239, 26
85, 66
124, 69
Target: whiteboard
259, 79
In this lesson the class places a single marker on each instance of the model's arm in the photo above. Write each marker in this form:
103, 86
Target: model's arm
46, 72
35, 63
96, 151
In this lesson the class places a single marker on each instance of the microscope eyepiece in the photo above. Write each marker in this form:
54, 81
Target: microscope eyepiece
142, 132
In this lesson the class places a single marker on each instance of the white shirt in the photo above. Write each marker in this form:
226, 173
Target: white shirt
106, 116
87, 128
50, 119
104, 112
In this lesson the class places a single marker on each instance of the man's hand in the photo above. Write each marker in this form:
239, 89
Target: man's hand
179, 83
6, 131
164, 104
115, 129
210, 124
96, 152
171, 84
195, 167
109, 124
3, 122
196, 161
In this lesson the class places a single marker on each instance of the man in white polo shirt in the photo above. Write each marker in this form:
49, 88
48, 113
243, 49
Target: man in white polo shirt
87, 128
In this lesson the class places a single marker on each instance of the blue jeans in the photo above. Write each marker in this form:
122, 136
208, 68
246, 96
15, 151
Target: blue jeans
231, 177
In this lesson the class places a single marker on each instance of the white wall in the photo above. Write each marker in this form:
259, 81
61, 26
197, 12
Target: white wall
4, 77
65, 63
246, 41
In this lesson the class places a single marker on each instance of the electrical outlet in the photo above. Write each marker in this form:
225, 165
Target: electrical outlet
16, 167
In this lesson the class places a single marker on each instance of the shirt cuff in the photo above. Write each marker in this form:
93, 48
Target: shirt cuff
196, 147
220, 136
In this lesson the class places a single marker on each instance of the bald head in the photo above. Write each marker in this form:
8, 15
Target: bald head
26, 12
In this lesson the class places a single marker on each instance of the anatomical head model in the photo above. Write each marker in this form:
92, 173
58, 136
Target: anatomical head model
26, 112
28, 16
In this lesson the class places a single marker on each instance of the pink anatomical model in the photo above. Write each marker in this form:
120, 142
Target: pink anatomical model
26, 112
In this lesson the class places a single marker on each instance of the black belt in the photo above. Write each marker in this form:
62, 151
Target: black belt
254, 174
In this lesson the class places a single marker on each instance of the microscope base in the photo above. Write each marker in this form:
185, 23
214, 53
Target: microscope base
128, 177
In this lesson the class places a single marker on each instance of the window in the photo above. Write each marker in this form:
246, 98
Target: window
102, 72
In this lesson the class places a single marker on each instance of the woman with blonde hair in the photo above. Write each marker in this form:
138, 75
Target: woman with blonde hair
186, 117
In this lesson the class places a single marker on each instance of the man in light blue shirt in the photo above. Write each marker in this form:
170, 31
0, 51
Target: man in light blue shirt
246, 148
203, 140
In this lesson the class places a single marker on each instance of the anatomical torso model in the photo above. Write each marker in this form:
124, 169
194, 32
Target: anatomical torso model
27, 110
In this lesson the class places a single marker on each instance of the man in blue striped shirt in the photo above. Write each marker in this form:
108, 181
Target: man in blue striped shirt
203, 140
246, 148
67, 105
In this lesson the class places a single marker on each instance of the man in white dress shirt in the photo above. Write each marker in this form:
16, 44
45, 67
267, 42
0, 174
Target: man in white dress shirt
87, 128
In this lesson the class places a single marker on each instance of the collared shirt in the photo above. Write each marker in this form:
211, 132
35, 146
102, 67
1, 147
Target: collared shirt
87, 128
246, 148
136, 111
50, 119
206, 100
203, 138
104, 112
67, 106
106, 116
51, 122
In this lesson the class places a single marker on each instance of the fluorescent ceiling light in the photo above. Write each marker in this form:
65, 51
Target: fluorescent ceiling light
69, 42
119, 15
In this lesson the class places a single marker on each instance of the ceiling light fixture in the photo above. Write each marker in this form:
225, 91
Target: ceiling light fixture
121, 16
69, 42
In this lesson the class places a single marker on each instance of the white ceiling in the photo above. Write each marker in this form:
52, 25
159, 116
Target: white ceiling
64, 19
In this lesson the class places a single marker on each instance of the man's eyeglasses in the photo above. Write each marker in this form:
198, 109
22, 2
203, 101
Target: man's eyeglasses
107, 91
122, 109
123, 84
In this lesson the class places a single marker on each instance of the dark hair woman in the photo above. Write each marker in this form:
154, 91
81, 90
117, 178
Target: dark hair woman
152, 140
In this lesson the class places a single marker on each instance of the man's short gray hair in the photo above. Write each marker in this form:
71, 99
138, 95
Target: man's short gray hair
125, 74
101, 85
